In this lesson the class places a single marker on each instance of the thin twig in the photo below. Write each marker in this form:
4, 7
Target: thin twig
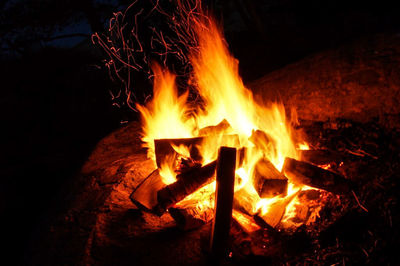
358, 202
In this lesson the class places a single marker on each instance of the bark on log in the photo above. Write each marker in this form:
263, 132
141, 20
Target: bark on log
314, 176
188, 183
223, 202
145, 195
268, 181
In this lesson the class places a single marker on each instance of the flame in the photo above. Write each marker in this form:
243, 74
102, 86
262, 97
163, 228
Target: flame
262, 128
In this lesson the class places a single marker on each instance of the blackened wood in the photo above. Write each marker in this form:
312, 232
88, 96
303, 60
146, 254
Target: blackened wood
226, 165
322, 157
307, 174
268, 181
188, 218
145, 194
188, 183
164, 150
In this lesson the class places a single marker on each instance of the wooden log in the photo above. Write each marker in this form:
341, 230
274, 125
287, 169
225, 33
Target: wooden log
322, 157
145, 194
307, 174
191, 217
268, 181
222, 128
186, 184
164, 148
245, 222
244, 202
276, 211
226, 165
165, 152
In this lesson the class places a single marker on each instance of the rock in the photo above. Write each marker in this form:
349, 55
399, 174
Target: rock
359, 81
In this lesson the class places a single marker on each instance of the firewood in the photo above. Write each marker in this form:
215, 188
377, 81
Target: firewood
164, 149
165, 152
307, 174
245, 222
187, 183
226, 165
276, 211
221, 129
268, 181
244, 202
322, 157
191, 217
145, 194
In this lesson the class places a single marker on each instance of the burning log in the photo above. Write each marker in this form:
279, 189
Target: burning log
314, 176
187, 183
164, 148
145, 194
268, 181
275, 212
223, 201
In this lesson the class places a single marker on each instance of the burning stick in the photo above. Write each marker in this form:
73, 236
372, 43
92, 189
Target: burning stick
268, 181
310, 175
223, 201
187, 183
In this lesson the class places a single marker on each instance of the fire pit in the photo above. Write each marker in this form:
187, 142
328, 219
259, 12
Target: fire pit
231, 170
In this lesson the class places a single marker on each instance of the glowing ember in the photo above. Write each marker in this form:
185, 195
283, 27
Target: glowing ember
226, 107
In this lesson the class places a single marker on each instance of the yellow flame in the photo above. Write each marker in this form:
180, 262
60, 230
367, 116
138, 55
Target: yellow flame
261, 128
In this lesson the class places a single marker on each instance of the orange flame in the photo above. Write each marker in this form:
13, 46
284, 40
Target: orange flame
216, 78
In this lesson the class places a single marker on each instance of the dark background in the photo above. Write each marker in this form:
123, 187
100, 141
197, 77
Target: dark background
55, 100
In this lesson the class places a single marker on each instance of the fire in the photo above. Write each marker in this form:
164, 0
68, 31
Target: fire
261, 128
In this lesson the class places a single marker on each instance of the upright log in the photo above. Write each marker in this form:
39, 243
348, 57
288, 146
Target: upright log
187, 183
314, 176
226, 165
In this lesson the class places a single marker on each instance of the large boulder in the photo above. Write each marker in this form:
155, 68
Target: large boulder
358, 81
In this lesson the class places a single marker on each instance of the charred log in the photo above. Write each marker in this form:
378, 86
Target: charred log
310, 175
226, 165
145, 194
268, 181
187, 183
